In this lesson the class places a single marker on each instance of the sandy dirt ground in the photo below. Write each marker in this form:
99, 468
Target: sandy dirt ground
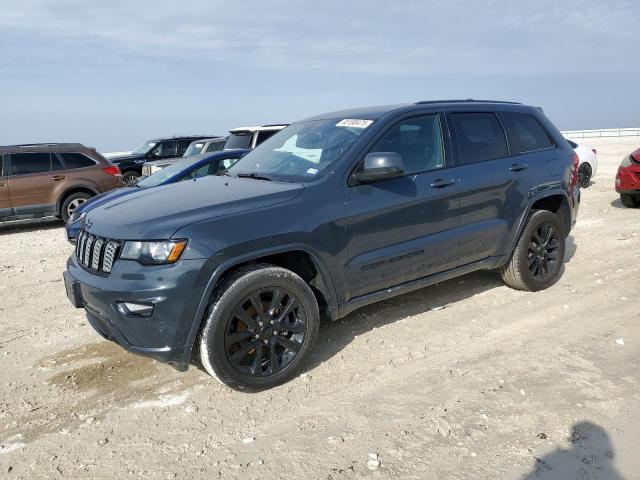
463, 380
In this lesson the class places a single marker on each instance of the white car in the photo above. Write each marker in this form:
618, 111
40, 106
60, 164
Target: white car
588, 163
250, 137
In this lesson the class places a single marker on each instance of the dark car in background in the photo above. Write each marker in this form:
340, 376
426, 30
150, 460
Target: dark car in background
40, 180
332, 213
156, 149
187, 168
197, 147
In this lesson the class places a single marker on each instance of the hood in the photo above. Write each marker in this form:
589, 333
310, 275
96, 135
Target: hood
126, 158
101, 199
156, 213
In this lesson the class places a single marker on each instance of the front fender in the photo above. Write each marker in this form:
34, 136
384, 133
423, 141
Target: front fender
216, 271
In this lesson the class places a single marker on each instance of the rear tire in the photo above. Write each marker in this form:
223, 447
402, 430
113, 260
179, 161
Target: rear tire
72, 202
130, 178
629, 201
537, 260
260, 328
584, 175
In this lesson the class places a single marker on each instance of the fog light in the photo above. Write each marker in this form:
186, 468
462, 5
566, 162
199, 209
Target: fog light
135, 309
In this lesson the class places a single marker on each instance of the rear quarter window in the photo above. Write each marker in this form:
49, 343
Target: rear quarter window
76, 160
525, 133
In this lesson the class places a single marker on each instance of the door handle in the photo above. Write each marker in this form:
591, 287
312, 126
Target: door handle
441, 183
518, 167
57, 177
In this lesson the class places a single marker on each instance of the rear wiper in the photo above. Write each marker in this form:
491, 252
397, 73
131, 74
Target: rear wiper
257, 176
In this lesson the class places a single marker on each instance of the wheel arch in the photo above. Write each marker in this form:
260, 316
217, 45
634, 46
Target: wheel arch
300, 259
70, 191
555, 201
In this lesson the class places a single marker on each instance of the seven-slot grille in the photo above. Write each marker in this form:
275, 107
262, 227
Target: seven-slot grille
96, 253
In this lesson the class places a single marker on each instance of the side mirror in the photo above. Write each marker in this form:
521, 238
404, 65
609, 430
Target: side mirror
380, 166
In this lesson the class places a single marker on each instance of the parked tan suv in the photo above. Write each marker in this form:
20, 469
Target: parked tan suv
51, 179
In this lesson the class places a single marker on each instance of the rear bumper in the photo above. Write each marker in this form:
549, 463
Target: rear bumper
174, 291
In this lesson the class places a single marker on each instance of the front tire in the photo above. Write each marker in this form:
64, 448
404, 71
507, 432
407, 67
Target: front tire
584, 175
629, 201
260, 328
72, 202
537, 260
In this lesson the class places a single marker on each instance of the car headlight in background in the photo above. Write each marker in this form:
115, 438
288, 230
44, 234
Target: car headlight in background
153, 253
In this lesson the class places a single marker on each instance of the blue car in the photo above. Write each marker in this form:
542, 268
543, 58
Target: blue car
186, 168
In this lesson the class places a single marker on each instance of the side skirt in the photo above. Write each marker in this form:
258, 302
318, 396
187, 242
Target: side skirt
358, 302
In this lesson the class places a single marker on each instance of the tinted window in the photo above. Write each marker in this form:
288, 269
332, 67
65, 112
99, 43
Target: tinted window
480, 137
182, 146
215, 146
264, 134
56, 164
573, 144
239, 140
525, 133
418, 141
2, 172
166, 149
76, 160
24, 163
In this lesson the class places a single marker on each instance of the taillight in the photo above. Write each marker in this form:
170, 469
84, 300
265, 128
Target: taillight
111, 170
635, 156
575, 163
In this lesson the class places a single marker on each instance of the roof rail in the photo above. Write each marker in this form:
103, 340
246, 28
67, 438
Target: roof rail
468, 100
51, 144
275, 124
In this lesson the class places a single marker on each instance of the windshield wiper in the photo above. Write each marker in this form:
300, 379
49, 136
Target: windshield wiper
255, 175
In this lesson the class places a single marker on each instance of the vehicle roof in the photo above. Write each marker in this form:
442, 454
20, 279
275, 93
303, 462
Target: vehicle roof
46, 147
278, 126
182, 137
376, 112
212, 139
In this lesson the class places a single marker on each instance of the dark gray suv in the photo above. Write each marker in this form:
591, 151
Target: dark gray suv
332, 213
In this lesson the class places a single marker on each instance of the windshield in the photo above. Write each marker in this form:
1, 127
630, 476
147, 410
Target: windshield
163, 175
239, 140
194, 148
144, 148
301, 151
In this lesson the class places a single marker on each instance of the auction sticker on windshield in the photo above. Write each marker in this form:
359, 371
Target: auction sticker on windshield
354, 123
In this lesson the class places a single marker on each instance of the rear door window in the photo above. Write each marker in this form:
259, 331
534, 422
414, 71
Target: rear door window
166, 149
182, 146
26, 163
239, 140
525, 133
76, 160
265, 134
480, 137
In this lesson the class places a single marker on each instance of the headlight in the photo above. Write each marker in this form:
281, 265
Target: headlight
153, 253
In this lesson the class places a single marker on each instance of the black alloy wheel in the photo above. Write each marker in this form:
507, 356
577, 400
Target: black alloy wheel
265, 332
543, 254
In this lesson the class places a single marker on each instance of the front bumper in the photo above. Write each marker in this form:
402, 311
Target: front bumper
628, 179
173, 290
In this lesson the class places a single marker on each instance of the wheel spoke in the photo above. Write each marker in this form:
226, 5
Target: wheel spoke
276, 300
256, 366
242, 315
239, 355
287, 310
234, 338
273, 358
292, 327
257, 305
290, 345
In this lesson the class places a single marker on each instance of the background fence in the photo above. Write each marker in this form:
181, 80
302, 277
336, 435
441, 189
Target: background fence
603, 133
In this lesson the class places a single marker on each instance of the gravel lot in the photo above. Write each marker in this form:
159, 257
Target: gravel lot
466, 379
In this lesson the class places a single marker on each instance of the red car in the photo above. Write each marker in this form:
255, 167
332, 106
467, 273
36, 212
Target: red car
628, 180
